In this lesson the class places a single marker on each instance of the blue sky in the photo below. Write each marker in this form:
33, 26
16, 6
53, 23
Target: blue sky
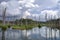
34, 9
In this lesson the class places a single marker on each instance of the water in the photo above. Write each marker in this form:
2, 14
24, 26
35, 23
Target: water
43, 33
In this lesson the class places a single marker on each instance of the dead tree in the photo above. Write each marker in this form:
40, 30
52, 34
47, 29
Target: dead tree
4, 13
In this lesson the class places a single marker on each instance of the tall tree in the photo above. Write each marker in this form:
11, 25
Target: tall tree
4, 13
46, 28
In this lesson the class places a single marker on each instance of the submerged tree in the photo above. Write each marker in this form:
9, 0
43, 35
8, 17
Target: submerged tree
3, 27
3, 32
59, 34
51, 28
46, 21
55, 34
39, 30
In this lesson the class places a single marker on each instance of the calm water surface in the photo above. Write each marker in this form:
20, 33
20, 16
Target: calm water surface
43, 33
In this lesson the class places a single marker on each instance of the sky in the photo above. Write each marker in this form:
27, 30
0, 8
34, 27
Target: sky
34, 9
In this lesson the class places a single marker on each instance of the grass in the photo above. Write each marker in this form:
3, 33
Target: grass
21, 27
3, 27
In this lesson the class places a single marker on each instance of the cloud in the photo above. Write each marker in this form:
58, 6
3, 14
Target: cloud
51, 14
26, 14
49, 3
29, 5
12, 7
3, 5
26, 1
13, 12
34, 7
3, 0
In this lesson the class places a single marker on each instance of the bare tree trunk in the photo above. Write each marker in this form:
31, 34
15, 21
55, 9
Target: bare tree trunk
59, 34
46, 33
21, 34
51, 34
4, 12
3, 35
26, 38
31, 35
55, 35
26, 30
46, 21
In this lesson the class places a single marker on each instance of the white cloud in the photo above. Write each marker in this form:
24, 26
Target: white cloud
36, 5
35, 15
13, 12
3, 4
25, 1
20, 8
21, 2
32, 1
15, 7
29, 5
12, 7
50, 13
46, 3
26, 14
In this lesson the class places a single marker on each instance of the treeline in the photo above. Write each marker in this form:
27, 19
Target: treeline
54, 23
25, 21
1, 21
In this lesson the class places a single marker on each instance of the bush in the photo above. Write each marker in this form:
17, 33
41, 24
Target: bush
3, 27
9, 26
39, 26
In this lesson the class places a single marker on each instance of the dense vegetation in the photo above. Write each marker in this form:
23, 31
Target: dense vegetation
54, 23
23, 24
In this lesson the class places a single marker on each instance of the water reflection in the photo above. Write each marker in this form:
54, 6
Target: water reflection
33, 34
